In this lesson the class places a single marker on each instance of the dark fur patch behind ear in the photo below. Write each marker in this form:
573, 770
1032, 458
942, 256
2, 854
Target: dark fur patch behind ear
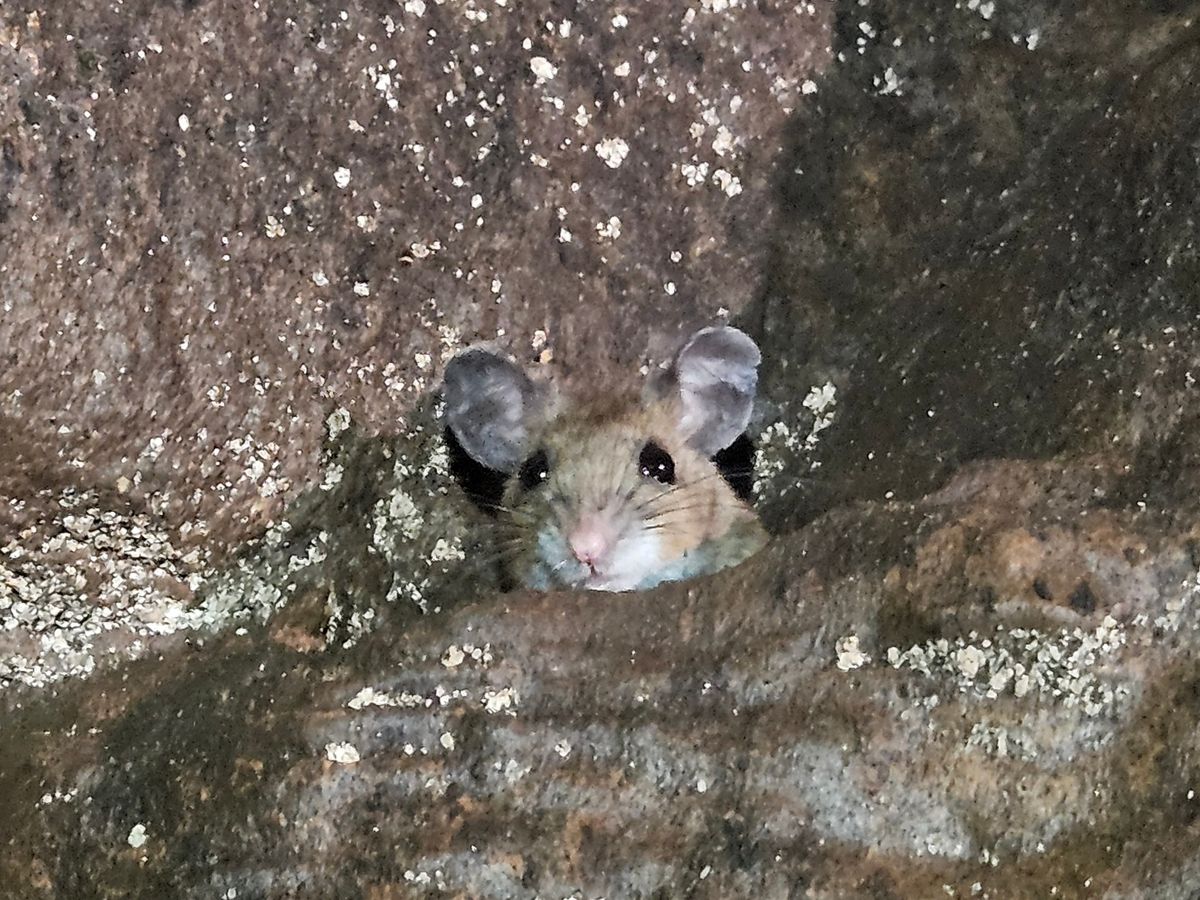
483, 486
736, 465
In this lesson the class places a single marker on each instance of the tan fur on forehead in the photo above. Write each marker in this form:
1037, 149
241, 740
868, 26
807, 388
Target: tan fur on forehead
617, 417
597, 443
609, 408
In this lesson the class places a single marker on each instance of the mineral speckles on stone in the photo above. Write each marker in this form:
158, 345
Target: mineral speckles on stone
542, 68
822, 403
888, 83
502, 700
610, 230
58, 796
694, 173
137, 836
1178, 607
397, 513
332, 477
985, 8
312, 213
1001, 741
89, 581
447, 551
613, 151
727, 182
369, 696
1066, 666
338, 420
349, 622
342, 752
424, 879
723, 143
455, 655
849, 655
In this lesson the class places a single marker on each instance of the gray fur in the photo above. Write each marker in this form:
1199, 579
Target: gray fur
491, 406
715, 375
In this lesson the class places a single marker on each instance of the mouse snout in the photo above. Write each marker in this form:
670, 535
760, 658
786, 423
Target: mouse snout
591, 539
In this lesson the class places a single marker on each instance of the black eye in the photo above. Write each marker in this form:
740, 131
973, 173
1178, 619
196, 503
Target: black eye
534, 470
656, 463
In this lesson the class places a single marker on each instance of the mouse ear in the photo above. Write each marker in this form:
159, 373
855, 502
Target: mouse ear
714, 377
491, 406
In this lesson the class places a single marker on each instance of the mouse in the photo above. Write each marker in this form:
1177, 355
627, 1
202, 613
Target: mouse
618, 491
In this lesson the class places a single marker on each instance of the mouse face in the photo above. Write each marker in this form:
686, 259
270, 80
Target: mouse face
618, 494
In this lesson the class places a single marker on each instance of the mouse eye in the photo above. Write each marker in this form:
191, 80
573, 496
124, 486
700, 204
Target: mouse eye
534, 470
656, 463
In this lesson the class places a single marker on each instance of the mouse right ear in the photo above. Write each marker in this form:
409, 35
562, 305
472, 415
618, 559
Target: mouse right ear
714, 376
491, 406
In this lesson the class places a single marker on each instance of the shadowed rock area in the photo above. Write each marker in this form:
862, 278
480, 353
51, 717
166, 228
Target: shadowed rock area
967, 664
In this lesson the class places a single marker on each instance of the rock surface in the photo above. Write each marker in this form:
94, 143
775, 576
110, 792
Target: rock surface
223, 223
966, 666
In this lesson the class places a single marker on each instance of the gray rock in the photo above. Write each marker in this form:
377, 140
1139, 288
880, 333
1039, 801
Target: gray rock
966, 665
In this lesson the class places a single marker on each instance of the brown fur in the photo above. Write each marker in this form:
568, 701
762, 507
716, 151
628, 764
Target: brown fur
594, 449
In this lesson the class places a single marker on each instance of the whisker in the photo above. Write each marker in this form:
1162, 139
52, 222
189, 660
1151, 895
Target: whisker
658, 498
675, 510
495, 557
685, 500
494, 507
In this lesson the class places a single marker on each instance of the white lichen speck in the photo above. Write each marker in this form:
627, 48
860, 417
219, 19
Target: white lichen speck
1071, 667
342, 752
610, 230
503, 700
849, 655
613, 151
542, 68
727, 182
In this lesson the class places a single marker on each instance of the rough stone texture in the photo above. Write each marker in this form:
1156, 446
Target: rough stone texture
222, 220
881, 705
967, 665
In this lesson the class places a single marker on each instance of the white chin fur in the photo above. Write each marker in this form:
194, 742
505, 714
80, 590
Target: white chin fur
635, 558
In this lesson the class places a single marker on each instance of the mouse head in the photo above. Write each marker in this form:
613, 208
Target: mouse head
617, 494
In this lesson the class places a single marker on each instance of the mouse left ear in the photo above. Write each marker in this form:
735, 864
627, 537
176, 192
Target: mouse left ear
492, 406
714, 376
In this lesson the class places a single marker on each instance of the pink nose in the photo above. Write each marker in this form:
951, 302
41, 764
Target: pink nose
589, 542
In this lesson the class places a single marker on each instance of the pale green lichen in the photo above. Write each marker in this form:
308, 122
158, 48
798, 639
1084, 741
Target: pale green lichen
1065, 666
1001, 741
784, 448
405, 530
